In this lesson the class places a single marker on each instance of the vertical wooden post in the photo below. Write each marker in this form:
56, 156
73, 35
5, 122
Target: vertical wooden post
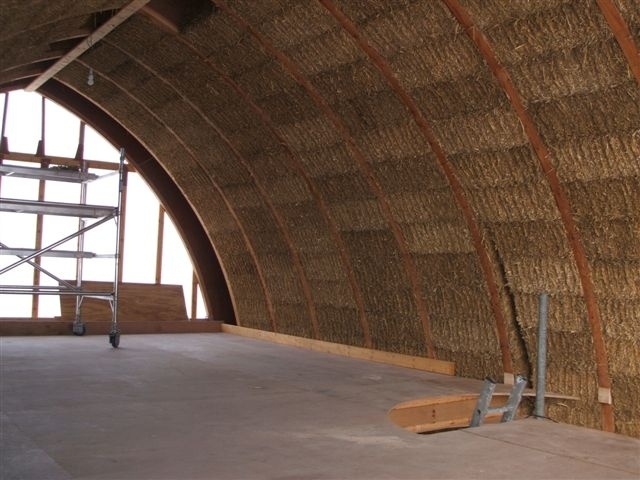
194, 296
160, 244
123, 223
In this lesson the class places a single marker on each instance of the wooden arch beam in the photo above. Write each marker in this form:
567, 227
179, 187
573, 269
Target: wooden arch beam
560, 197
622, 34
215, 289
262, 190
228, 205
290, 67
449, 173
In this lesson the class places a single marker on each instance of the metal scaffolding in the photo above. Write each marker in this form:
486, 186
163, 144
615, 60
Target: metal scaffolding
97, 215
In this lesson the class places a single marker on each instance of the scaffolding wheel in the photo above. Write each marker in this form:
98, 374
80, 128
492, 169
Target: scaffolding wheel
79, 329
114, 339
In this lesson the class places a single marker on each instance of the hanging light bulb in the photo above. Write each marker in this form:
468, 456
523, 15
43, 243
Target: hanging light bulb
90, 78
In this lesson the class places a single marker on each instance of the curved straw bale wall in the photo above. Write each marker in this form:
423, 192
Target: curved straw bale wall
406, 176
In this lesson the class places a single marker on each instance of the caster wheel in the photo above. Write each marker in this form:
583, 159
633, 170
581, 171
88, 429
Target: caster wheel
79, 329
114, 339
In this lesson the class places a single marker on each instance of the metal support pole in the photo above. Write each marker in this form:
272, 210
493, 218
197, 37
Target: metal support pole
541, 364
114, 334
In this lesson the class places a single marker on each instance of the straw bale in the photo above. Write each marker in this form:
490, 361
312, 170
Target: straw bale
630, 10
446, 58
257, 220
332, 293
288, 190
323, 267
366, 246
560, 26
625, 389
344, 188
530, 239
620, 279
620, 317
471, 95
285, 284
371, 111
616, 239
471, 333
596, 158
461, 302
522, 203
566, 313
386, 269
440, 237
312, 241
286, 105
621, 353
273, 162
311, 133
594, 114
498, 128
393, 143
325, 53
266, 79
496, 168
424, 207
582, 70
362, 11
487, 14
243, 196
210, 31
340, 325
359, 216
242, 56
328, 160
551, 274
577, 413
349, 80
397, 300
401, 28
238, 263
409, 174
296, 23
442, 270
306, 215
474, 366
259, 12
292, 319
395, 333
605, 199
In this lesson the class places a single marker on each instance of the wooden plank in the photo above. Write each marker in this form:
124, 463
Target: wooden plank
432, 414
137, 301
408, 361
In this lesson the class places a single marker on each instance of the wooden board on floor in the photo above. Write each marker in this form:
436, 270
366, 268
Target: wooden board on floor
419, 363
136, 302
431, 414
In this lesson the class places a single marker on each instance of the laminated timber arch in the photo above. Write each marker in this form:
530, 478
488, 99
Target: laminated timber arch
436, 165
208, 269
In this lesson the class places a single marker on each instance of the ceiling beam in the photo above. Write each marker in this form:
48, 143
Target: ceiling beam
101, 32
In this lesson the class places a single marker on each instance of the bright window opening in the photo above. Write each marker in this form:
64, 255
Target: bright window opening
36, 128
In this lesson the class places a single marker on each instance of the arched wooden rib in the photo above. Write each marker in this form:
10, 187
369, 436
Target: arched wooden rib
282, 226
217, 296
292, 69
297, 165
623, 35
561, 200
449, 173
194, 157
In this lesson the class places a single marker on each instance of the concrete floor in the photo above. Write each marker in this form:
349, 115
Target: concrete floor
216, 406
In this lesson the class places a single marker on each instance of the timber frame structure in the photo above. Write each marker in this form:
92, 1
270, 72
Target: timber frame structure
400, 176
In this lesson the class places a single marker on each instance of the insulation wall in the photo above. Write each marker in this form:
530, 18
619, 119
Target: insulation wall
407, 175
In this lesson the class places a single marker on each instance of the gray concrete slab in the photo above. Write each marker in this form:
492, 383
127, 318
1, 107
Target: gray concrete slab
216, 406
